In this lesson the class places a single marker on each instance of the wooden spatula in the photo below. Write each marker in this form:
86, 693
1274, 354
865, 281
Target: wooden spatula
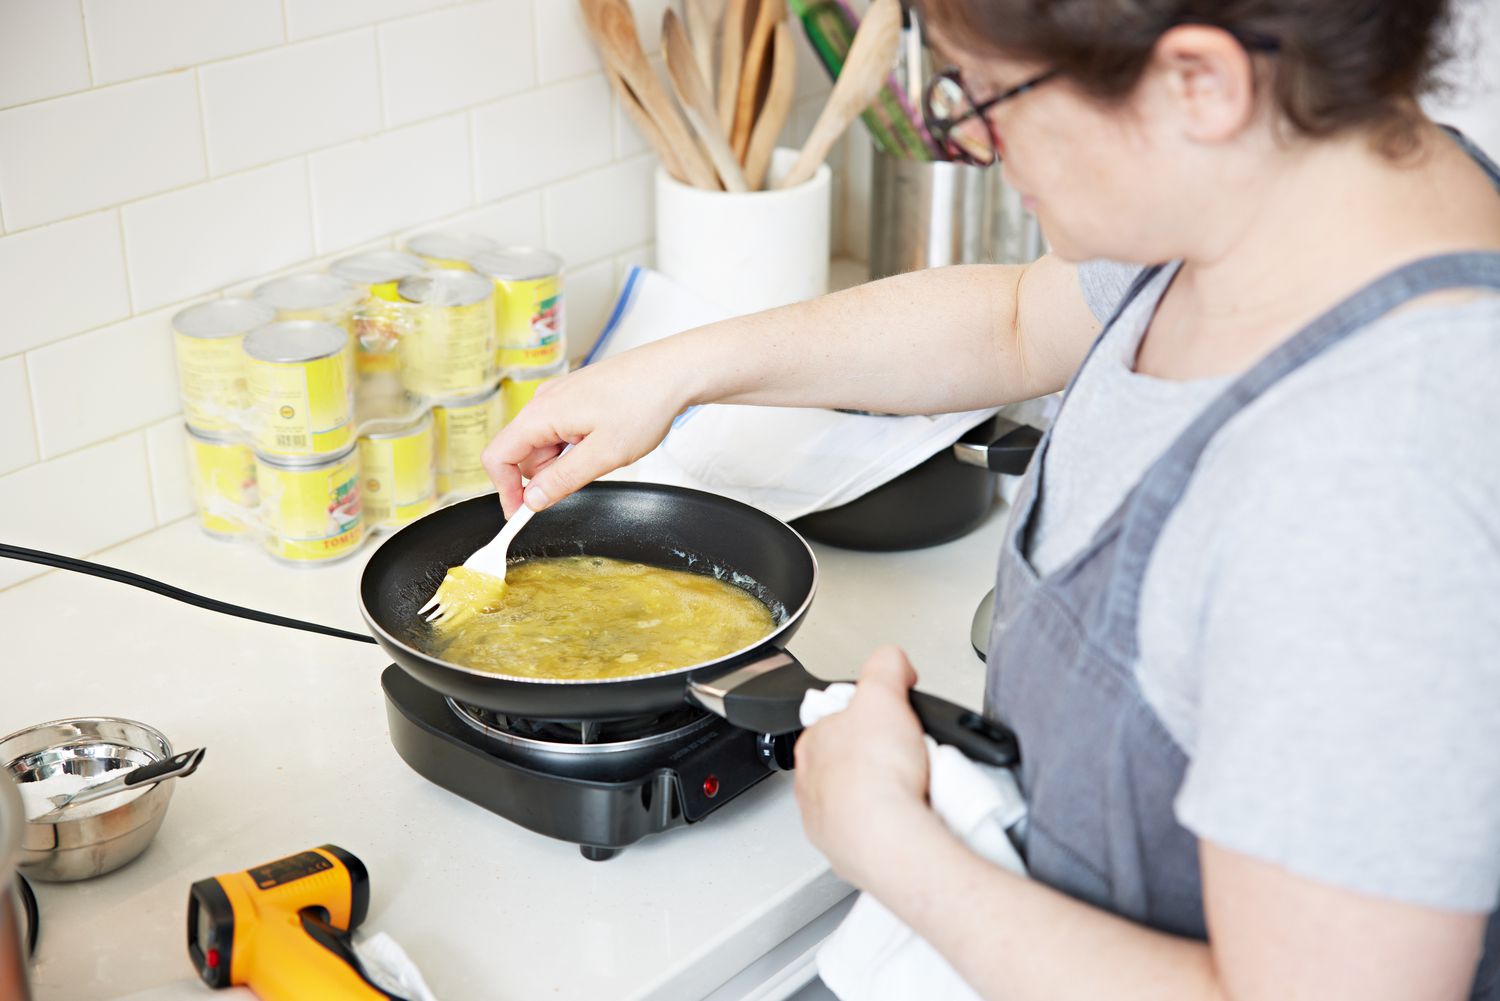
692, 92
869, 63
776, 110
646, 126
770, 14
731, 57
700, 29
613, 26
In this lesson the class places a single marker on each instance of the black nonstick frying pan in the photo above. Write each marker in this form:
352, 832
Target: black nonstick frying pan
759, 688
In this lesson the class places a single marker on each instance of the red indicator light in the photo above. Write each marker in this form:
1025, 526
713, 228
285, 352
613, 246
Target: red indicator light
711, 786
212, 959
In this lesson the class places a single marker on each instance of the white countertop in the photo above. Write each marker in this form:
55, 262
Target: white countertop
298, 756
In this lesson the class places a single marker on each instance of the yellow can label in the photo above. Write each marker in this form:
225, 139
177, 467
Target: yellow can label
311, 514
462, 434
302, 408
448, 350
400, 477
446, 263
211, 374
223, 485
516, 393
529, 322
377, 331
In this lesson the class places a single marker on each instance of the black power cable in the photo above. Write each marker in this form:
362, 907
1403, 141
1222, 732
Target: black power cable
119, 576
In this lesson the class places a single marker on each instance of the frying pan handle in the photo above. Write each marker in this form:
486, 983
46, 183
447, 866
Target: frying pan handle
1009, 451
766, 696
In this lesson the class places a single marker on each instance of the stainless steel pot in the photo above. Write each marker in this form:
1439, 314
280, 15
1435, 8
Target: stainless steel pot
13, 947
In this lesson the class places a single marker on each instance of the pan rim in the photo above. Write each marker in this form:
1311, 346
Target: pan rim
792, 619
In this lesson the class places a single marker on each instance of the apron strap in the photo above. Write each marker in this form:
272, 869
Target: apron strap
1152, 500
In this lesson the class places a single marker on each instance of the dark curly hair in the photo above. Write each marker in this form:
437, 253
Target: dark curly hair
1339, 64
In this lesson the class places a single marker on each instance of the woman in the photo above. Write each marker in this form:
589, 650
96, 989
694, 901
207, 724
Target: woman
1247, 629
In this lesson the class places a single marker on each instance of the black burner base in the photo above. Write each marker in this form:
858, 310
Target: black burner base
601, 800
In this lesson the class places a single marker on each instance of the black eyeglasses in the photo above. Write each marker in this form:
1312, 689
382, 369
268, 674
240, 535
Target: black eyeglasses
948, 105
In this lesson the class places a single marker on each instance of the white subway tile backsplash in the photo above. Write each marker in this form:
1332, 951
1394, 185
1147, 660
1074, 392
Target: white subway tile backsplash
18, 440
134, 38
305, 18
77, 503
589, 293
171, 480
514, 222
457, 58
57, 280
364, 189
75, 154
252, 222
290, 100
563, 46
542, 135
42, 50
602, 212
103, 383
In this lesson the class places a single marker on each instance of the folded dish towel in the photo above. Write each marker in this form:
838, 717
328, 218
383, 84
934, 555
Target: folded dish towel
786, 461
872, 956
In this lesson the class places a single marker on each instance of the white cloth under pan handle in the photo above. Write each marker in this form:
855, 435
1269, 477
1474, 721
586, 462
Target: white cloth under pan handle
872, 956
392, 970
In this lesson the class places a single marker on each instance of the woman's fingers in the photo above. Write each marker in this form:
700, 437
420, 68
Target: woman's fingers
589, 459
888, 669
515, 449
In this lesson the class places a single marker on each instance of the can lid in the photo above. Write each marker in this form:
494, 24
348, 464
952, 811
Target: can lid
517, 263
450, 245
306, 462
386, 428
446, 287
295, 341
377, 267
484, 395
222, 318
307, 290
212, 437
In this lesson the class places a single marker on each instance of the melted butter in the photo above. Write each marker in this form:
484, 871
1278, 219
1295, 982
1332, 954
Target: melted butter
586, 617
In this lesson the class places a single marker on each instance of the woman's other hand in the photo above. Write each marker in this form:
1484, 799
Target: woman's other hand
612, 412
861, 774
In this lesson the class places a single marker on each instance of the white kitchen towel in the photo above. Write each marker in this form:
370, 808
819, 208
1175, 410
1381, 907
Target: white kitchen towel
872, 956
392, 970
786, 461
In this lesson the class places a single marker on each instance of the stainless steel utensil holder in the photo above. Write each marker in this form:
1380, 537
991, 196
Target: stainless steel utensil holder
929, 214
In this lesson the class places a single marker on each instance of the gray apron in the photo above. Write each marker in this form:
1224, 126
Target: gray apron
1099, 770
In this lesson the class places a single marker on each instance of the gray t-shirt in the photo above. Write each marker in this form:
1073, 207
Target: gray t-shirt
1320, 621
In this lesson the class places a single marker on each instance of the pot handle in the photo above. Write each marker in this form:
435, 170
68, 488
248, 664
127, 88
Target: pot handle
1008, 452
766, 696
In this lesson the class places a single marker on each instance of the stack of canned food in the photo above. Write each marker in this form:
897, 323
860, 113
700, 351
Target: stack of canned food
332, 405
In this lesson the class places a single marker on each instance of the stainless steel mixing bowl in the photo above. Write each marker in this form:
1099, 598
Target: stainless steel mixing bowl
85, 846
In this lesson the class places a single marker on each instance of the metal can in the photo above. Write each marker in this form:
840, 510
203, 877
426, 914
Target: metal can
398, 464
300, 395
529, 321
223, 471
448, 249
448, 348
464, 427
519, 387
210, 361
311, 510
377, 319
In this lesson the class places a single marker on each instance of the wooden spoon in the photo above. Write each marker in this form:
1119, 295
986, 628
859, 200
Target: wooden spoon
646, 126
777, 109
731, 56
700, 28
770, 14
692, 93
613, 27
871, 56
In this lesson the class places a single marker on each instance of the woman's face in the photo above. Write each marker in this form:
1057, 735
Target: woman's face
1128, 180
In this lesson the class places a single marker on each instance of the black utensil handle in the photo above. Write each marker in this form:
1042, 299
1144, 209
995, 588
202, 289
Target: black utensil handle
1009, 452
766, 696
981, 739
187, 760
